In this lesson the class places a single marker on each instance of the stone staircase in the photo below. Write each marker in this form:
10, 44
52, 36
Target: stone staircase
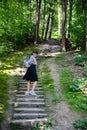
29, 109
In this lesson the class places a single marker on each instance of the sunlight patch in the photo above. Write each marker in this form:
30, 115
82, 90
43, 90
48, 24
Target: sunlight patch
17, 71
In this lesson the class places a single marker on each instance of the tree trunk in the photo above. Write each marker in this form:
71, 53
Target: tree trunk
64, 8
59, 20
27, 8
47, 27
30, 9
86, 29
38, 6
70, 17
43, 26
51, 20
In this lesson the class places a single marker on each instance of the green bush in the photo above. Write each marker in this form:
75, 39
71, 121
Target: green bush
5, 48
80, 59
3, 95
82, 124
83, 106
79, 85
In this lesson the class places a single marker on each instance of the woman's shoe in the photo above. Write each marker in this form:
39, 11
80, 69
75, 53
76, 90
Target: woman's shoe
33, 93
26, 93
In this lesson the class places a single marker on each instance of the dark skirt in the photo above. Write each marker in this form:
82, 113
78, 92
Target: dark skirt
31, 74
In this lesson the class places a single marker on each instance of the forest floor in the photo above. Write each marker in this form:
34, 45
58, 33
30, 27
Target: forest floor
61, 112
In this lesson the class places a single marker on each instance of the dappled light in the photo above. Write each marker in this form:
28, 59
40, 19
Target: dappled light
49, 50
57, 31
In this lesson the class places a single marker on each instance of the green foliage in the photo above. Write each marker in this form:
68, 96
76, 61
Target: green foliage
48, 84
3, 94
75, 91
83, 106
78, 30
81, 124
59, 58
80, 59
45, 126
18, 19
16, 29
6, 65
5, 48
79, 85
66, 78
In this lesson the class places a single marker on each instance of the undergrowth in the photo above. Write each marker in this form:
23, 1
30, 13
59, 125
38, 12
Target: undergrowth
80, 59
3, 95
80, 124
73, 90
48, 84
7, 64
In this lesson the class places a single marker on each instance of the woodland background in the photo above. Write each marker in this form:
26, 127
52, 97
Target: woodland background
25, 22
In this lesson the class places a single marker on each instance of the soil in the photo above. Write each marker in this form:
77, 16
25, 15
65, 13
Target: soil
5, 124
63, 116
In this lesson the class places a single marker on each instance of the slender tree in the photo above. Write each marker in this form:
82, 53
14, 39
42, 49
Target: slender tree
38, 7
64, 8
51, 19
44, 13
59, 20
70, 17
30, 9
48, 19
47, 26
86, 29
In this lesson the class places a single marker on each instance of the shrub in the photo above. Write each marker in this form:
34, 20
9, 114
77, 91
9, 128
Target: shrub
5, 48
82, 124
80, 59
79, 85
3, 95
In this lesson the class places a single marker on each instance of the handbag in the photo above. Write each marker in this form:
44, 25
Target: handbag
26, 63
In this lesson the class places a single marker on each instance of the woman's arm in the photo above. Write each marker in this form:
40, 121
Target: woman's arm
34, 63
32, 60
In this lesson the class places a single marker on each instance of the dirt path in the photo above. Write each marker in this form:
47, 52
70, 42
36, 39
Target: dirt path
63, 116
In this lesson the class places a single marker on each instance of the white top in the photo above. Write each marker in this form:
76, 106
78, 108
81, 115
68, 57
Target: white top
32, 59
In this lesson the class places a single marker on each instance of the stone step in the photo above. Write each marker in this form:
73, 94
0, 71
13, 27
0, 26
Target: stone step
25, 88
29, 104
29, 109
23, 109
25, 85
23, 92
29, 121
30, 99
24, 82
23, 95
29, 115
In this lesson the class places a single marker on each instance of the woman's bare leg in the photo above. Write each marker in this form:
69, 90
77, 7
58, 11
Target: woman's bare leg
28, 85
34, 85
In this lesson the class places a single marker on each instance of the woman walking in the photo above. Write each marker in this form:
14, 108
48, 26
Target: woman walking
31, 74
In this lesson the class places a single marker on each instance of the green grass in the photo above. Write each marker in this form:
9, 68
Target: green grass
66, 77
16, 58
76, 99
3, 95
48, 84
7, 64
60, 58
80, 124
